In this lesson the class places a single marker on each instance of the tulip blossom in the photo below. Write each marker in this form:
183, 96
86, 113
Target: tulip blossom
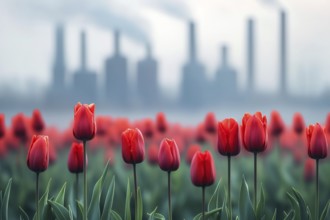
76, 158
191, 152
2, 125
202, 170
38, 155
210, 122
277, 125
228, 137
161, 122
84, 125
19, 127
168, 155
132, 146
37, 121
316, 142
298, 123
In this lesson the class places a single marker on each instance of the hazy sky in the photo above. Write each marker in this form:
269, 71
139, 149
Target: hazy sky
27, 37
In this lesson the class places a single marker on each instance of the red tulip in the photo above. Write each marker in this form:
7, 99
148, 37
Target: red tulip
38, 155
316, 142
2, 125
153, 154
84, 125
132, 146
37, 121
168, 155
210, 122
148, 128
103, 123
298, 123
277, 125
19, 127
191, 152
76, 158
309, 170
202, 170
161, 122
228, 137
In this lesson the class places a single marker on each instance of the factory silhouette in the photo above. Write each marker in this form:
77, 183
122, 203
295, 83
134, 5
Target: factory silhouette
113, 89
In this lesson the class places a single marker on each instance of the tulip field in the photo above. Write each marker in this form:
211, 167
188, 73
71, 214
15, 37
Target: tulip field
102, 167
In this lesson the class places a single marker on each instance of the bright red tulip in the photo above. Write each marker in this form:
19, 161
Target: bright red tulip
277, 125
132, 146
161, 122
210, 122
168, 155
309, 170
298, 123
202, 170
191, 152
37, 121
19, 127
153, 154
76, 158
2, 125
38, 155
84, 124
254, 132
316, 142
228, 137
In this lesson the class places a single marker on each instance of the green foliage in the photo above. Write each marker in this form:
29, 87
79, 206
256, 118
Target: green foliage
4, 200
245, 205
155, 216
128, 203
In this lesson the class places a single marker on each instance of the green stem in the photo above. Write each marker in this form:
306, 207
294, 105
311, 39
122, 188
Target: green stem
37, 195
255, 181
317, 200
169, 196
229, 197
203, 202
85, 182
135, 189
77, 192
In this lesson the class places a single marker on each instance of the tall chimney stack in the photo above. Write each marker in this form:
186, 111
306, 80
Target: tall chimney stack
117, 42
250, 54
283, 53
83, 50
224, 55
148, 50
192, 41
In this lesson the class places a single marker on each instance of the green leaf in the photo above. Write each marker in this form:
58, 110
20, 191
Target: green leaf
139, 209
274, 215
302, 205
127, 203
94, 207
114, 215
80, 213
5, 201
25, 216
60, 211
289, 215
295, 206
154, 215
261, 204
245, 204
43, 205
325, 211
109, 200
224, 211
212, 213
60, 196
214, 198
47, 212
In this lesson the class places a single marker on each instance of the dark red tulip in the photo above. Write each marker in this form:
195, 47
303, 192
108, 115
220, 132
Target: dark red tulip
19, 127
202, 170
316, 142
191, 152
37, 121
168, 155
228, 137
277, 125
254, 132
38, 155
153, 154
161, 122
2, 125
298, 123
200, 134
327, 124
309, 170
76, 158
84, 124
148, 128
132, 146
210, 122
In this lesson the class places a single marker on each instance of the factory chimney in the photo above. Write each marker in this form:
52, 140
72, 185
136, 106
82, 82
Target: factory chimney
250, 54
283, 53
117, 42
192, 42
83, 50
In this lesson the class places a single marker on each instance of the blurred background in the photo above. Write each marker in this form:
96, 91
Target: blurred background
184, 58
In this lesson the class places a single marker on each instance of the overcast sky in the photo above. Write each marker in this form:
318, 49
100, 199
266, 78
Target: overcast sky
27, 37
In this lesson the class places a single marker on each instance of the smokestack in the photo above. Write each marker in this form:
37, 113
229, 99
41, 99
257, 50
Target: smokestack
192, 41
283, 54
59, 50
148, 50
224, 55
250, 54
83, 50
117, 42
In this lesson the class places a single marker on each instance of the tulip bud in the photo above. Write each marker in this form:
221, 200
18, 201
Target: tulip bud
148, 128
210, 123
316, 142
84, 125
276, 124
76, 158
161, 122
37, 121
254, 132
132, 146
202, 170
2, 125
309, 170
19, 127
168, 155
153, 154
298, 123
191, 152
38, 155
228, 137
